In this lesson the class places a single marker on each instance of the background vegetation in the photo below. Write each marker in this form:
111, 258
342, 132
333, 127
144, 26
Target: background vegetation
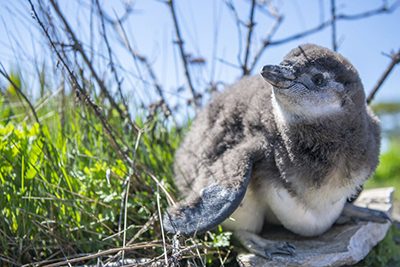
86, 168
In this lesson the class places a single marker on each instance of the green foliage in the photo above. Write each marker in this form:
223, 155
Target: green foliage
221, 239
386, 108
388, 171
386, 253
62, 181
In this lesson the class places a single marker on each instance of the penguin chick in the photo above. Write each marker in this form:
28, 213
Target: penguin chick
286, 147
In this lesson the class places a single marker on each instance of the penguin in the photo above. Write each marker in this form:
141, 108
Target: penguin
286, 147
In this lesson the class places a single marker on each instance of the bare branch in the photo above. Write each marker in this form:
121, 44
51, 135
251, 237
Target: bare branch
82, 94
269, 42
395, 60
104, 253
20, 93
148, 66
101, 84
325, 24
250, 25
183, 54
110, 55
239, 23
381, 10
333, 18
128, 11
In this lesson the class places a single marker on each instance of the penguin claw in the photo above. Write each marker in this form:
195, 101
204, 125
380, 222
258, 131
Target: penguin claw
263, 247
355, 214
284, 248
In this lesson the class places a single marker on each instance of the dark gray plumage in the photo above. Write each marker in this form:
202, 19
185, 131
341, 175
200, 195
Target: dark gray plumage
287, 149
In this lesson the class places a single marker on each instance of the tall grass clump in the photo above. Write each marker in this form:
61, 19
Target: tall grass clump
63, 184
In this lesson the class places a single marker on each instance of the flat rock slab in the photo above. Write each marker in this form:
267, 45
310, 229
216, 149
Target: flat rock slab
344, 244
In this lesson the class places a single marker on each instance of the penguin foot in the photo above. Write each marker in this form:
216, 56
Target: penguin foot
262, 247
352, 213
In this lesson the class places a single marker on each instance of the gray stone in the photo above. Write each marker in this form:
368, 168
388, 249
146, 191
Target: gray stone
344, 244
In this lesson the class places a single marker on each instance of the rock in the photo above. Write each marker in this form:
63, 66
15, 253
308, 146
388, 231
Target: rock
344, 244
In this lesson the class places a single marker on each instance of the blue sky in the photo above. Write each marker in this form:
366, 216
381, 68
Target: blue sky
210, 32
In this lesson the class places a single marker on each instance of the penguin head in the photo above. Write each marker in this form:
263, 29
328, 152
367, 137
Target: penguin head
314, 82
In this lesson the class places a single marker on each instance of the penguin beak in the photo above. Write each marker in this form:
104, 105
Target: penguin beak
278, 76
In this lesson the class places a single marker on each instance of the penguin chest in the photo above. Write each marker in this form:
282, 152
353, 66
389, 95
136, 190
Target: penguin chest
304, 217
312, 210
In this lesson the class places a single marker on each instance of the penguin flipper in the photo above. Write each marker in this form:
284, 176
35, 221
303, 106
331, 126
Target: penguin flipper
226, 179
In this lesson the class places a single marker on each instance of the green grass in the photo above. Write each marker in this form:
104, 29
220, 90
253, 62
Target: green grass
386, 253
388, 171
63, 183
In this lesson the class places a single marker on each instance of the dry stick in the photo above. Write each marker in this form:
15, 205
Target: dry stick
79, 48
103, 253
136, 236
156, 84
321, 26
125, 217
395, 60
125, 41
239, 22
182, 52
11, 262
161, 225
333, 18
250, 26
81, 91
19, 91
170, 199
145, 227
86, 99
121, 19
383, 9
110, 56
172, 258
91, 31
266, 42
149, 68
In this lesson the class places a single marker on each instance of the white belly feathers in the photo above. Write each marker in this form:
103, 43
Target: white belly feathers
307, 219
309, 214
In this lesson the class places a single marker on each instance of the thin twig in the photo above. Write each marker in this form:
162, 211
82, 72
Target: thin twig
19, 91
82, 92
110, 56
267, 43
239, 23
395, 60
250, 26
142, 230
333, 18
170, 199
161, 224
150, 244
380, 10
78, 47
183, 54
145, 62
128, 11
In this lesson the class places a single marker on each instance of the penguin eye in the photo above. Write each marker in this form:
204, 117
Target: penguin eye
318, 79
